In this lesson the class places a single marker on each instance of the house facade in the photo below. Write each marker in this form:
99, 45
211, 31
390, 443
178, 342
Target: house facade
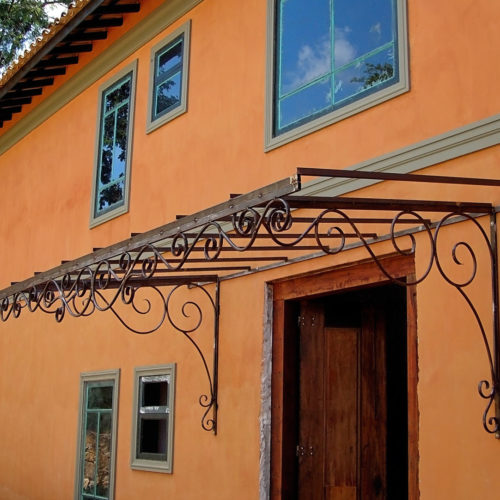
249, 250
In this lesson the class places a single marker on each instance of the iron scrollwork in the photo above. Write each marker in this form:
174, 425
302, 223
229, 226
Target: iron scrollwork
106, 285
106, 288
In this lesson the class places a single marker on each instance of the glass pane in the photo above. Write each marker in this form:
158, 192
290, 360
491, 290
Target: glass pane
168, 94
304, 43
154, 393
104, 455
305, 103
116, 96
120, 146
364, 75
90, 453
153, 435
100, 397
111, 195
107, 148
360, 27
167, 59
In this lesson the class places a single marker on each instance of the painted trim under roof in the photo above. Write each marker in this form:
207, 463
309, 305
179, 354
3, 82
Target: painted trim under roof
131, 41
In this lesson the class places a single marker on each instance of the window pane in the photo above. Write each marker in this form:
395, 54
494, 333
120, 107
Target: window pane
168, 94
169, 58
107, 148
90, 453
365, 74
361, 27
120, 146
104, 463
100, 397
154, 393
305, 43
116, 96
305, 103
153, 435
111, 195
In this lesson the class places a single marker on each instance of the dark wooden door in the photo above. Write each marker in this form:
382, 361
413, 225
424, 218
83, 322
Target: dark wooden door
342, 445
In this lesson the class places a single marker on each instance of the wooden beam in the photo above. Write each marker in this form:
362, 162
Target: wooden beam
16, 94
12, 109
86, 37
37, 73
123, 8
102, 23
280, 188
35, 84
72, 49
58, 61
5, 103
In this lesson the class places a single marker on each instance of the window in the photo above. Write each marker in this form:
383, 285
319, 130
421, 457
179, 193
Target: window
168, 78
96, 447
153, 418
112, 164
331, 59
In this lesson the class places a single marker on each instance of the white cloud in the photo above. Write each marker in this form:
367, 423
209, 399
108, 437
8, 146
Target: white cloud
312, 62
376, 29
344, 50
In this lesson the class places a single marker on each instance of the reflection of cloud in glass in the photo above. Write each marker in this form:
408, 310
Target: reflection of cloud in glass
344, 49
311, 63
377, 29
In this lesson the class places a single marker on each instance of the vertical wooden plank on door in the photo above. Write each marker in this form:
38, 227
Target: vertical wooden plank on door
341, 413
311, 442
373, 401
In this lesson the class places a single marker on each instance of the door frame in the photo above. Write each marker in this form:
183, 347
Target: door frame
308, 286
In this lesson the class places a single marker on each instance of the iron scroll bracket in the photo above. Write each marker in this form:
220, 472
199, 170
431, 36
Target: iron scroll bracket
179, 266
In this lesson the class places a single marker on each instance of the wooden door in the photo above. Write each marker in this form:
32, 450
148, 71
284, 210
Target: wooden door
342, 407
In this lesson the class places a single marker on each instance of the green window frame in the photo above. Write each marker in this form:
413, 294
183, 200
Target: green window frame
168, 79
330, 60
111, 179
153, 418
96, 446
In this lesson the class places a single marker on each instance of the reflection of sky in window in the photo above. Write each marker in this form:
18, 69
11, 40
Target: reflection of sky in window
360, 31
169, 58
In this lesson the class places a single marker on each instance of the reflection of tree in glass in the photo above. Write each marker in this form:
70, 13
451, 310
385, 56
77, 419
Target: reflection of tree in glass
164, 100
375, 73
110, 195
119, 95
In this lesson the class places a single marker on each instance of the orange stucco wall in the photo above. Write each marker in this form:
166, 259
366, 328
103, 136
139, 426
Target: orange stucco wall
196, 161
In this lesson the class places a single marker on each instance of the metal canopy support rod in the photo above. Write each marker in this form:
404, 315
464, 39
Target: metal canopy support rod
386, 176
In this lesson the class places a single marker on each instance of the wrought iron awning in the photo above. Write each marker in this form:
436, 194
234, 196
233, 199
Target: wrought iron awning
271, 226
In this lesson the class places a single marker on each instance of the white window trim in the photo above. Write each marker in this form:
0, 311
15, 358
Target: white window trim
95, 219
100, 376
182, 107
153, 465
271, 142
